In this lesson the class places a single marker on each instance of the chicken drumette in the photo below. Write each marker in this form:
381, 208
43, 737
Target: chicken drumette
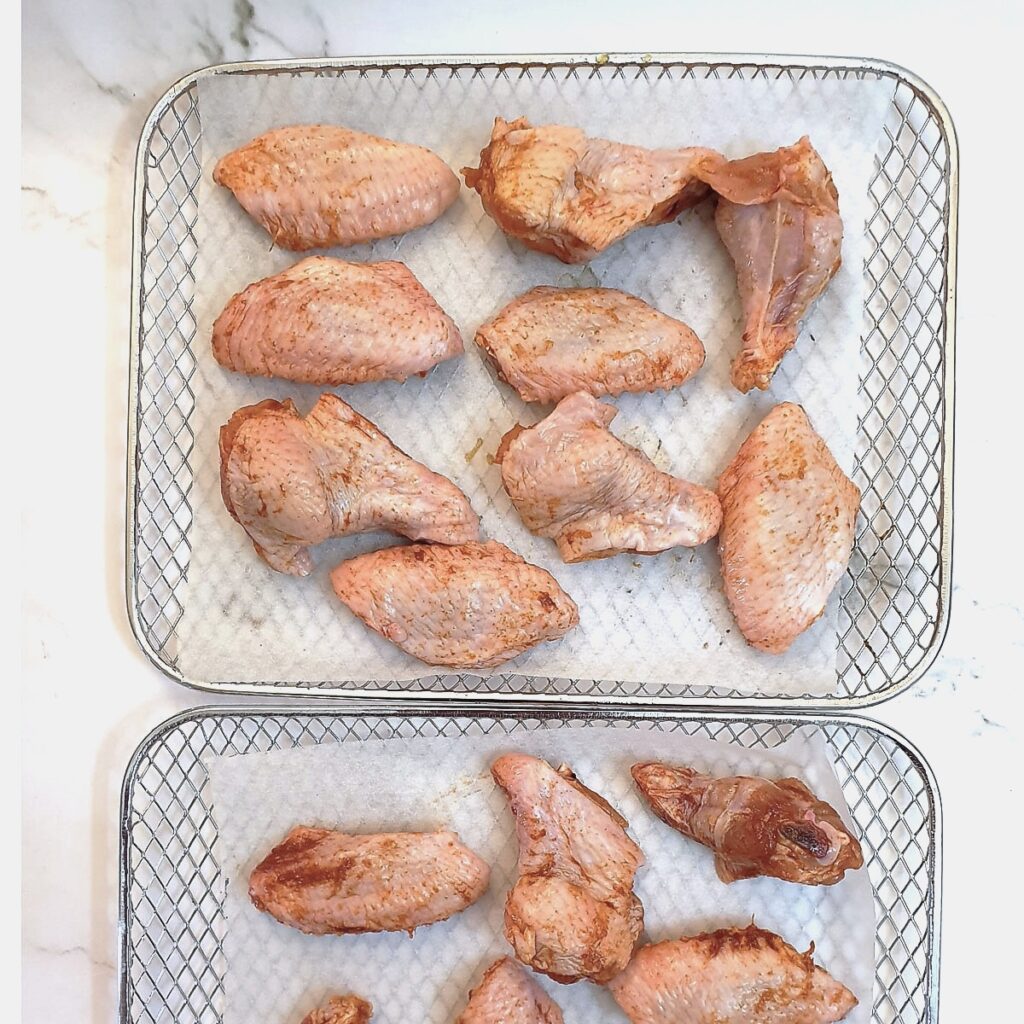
341, 1010
573, 480
572, 912
755, 826
778, 215
294, 482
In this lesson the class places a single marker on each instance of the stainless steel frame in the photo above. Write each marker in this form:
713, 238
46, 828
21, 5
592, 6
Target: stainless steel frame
171, 955
895, 598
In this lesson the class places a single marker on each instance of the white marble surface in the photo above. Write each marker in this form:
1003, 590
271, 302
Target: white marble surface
92, 70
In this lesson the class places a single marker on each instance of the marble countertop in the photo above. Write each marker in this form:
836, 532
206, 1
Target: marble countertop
92, 71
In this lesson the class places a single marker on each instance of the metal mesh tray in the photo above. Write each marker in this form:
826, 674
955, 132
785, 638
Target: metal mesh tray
172, 963
895, 595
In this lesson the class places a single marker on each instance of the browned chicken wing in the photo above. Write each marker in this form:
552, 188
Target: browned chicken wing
552, 342
466, 606
572, 912
573, 480
755, 826
788, 515
329, 883
341, 1010
293, 482
561, 192
326, 321
508, 995
732, 976
778, 215
316, 185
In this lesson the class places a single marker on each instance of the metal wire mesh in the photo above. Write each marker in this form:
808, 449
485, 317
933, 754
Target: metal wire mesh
172, 921
894, 597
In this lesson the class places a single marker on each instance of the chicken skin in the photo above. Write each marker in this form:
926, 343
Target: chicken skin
324, 882
732, 976
553, 342
508, 995
326, 321
572, 912
341, 1010
561, 192
778, 215
317, 185
467, 606
755, 826
788, 516
572, 479
293, 483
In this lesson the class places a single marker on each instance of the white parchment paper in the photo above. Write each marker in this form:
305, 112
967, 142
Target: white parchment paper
275, 975
656, 620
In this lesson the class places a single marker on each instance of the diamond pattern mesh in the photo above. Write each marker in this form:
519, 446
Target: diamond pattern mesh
173, 963
895, 594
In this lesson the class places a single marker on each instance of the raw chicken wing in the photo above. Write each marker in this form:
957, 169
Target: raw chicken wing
573, 480
755, 826
732, 976
341, 1010
329, 883
572, 912
467, 606
552, 342
778, 215
316, 185
508, 995
563, 193
788, 515
294, 482
326, 321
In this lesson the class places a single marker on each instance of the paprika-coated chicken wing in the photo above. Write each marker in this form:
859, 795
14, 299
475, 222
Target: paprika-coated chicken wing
559, 191
327, 321
571, 479
310, 186
755, 826
788, 516
293, 482
553, 342
324, 882
471, 605
508, 995
731, 976
572, 912
778, 215
341, 1010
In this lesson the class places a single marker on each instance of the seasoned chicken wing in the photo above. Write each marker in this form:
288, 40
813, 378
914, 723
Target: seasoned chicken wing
553, 342
467, 606
788, 515
778, 215
572, 479
293, 482
732, 976
326, 321
755, 826
316, 185
561, 192
341, 1010
572, 912
324, 882
508, 995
